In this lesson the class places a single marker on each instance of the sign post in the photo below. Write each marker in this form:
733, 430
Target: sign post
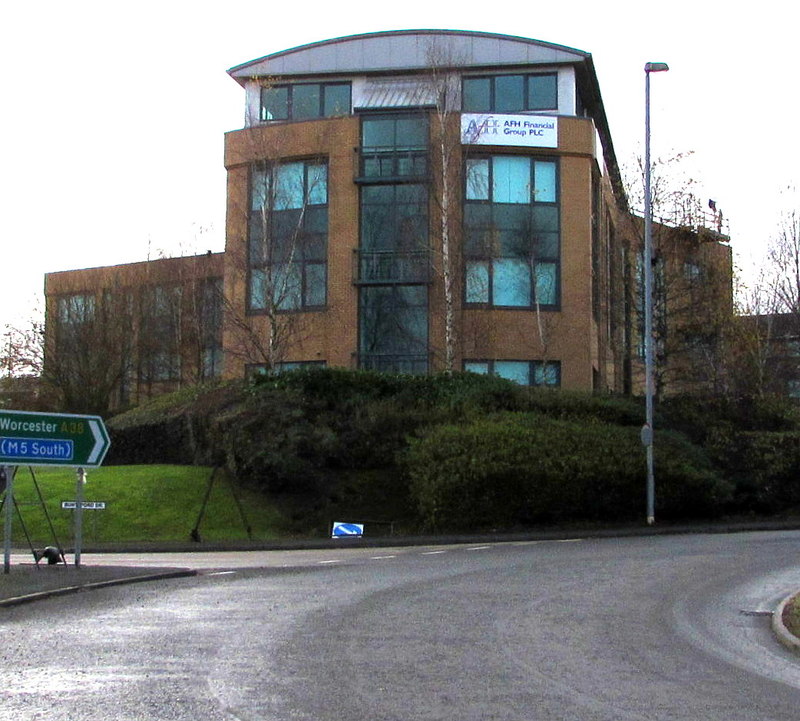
79, 516
8, 472
50, 439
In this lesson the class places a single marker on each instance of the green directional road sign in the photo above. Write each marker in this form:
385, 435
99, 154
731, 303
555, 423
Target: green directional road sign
52, 439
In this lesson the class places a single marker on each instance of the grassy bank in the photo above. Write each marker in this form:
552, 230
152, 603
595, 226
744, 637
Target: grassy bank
142, 503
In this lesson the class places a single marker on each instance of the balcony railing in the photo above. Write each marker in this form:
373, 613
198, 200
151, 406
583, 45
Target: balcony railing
386, 267
382, 164
691, 214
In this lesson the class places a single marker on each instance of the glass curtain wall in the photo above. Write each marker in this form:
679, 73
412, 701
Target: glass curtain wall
393, 257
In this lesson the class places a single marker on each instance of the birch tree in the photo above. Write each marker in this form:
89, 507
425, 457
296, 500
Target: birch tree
446, 148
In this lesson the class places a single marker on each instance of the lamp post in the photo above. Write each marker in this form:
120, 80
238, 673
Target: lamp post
647, 431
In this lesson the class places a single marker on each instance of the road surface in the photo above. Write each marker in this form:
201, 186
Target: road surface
663, 628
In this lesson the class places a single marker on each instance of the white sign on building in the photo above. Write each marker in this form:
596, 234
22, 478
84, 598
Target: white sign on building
531, 131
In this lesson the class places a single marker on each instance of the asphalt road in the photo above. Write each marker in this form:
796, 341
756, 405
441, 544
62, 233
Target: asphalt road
666, 628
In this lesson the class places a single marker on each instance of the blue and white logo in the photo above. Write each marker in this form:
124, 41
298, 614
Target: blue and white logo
347, 530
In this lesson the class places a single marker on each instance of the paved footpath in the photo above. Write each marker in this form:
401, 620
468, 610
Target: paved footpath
28, 582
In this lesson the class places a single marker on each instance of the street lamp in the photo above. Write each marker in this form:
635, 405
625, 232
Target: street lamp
647, 431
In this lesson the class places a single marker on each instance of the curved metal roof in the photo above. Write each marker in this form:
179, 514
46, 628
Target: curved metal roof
398, 50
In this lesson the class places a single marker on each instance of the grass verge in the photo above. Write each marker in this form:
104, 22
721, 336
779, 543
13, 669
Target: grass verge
143, 503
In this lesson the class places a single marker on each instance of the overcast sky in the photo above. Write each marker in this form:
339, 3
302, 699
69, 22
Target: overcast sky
113, 114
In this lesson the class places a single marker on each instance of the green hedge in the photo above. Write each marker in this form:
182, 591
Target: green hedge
516, 470
765, 468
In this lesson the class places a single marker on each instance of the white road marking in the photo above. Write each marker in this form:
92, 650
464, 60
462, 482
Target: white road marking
432, 553
479, 548
380, 558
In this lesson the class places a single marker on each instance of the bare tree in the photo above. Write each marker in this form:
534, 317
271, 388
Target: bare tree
88, 349
751, 346
768, 325
783, 263
692, 303
21, 363
447, 151
22, 352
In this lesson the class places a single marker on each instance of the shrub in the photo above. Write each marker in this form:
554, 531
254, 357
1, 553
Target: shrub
517, 470
765, 468
699, 417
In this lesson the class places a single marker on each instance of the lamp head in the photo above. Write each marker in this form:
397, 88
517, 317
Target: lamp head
656, 67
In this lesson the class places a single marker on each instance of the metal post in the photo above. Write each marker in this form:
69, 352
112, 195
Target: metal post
9, 473
79, 516
648, 295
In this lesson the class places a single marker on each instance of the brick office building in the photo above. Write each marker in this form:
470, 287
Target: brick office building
415, 201
528, 188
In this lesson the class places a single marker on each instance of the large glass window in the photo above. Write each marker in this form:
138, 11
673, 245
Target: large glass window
526, 373
160, 333
511, 221
76, 309
394, 217
393, 328
303, 101
210, 339
510, 93
288, 236
394, 146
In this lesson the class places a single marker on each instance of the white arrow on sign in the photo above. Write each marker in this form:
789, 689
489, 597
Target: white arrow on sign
99, 442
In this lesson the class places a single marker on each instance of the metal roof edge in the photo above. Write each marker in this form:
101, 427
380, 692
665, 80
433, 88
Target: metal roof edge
235, 71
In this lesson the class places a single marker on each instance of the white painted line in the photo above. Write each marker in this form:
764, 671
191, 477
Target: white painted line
432, 553
380, 558
219, 573
333, 560
570, 540
479, 548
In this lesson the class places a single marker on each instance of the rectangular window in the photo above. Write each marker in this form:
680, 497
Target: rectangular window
394, 146
255, 369
160, 333
210, 302
526, 373
304, 101
394, 217
394, 234
510, 93
288, 236
76, 309
393, 328
511, 222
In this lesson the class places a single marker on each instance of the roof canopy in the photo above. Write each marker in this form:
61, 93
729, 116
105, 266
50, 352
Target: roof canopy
403, 50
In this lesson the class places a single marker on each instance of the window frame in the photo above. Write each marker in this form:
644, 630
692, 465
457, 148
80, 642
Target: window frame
526, 106
532, 366
160, 358
492, 261
299, 264
252, 370
291, 114
396, 162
